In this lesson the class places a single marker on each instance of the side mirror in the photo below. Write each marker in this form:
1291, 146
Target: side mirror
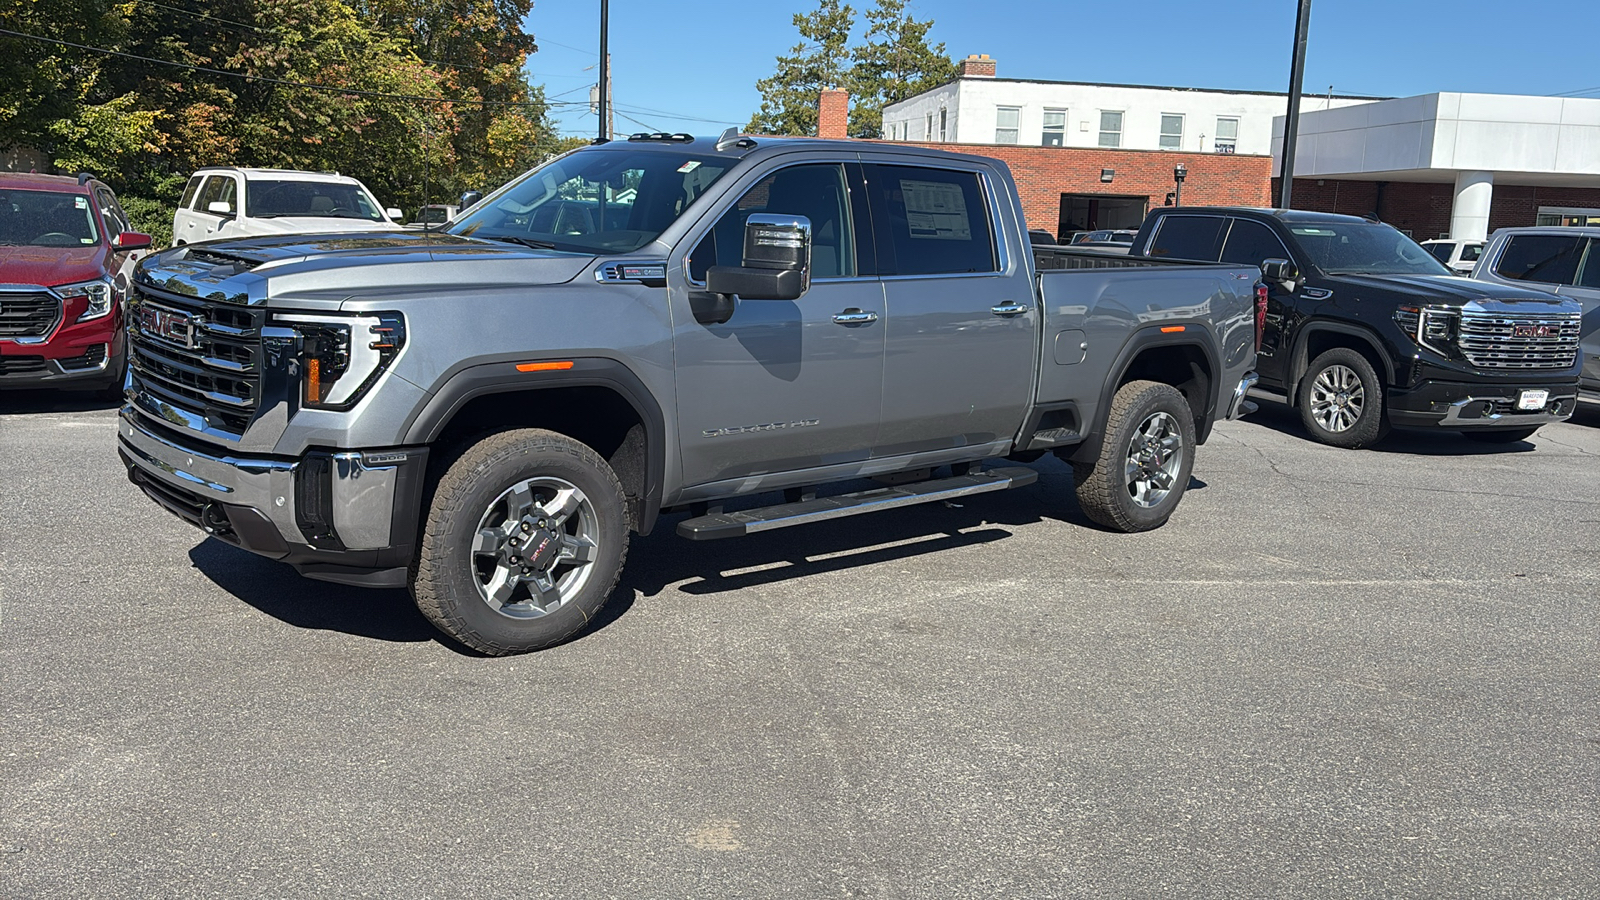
220, 207
392, 212
777, 260
471, 198
131, 240
1279, 271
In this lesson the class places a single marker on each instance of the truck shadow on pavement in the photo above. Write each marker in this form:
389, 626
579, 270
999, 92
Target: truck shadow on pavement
25, 402
1413, 441
664, 560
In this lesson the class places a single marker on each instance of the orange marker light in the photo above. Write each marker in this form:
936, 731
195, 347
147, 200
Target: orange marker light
1171, 329
544, 366
314, 380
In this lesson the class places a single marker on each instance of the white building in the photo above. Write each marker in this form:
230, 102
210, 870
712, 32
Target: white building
978, 108
1475, 142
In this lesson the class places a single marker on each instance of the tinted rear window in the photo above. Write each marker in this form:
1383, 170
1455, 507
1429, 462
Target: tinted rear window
933, 221
1188, 237
1545, 258
1441, 252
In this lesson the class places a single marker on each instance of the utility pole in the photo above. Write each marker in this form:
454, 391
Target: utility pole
605, 75
1291, 122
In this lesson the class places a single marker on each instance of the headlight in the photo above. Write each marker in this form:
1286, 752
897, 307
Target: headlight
1434, 327
100, 294
341, 356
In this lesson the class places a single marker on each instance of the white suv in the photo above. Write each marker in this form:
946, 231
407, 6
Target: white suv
226, 202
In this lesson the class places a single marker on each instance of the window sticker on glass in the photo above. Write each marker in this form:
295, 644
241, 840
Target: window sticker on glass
936, 210
689, 166
80, 202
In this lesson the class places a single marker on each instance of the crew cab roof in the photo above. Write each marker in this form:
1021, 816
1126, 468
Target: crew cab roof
749, 146
1284, 215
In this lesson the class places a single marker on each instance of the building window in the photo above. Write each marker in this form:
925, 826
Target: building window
927, 133
1110, 128
1055, 128
1006, 120
1171, 131
1227, 135
944, 124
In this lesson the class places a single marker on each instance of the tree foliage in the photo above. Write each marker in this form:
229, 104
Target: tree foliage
345, 85
891, 62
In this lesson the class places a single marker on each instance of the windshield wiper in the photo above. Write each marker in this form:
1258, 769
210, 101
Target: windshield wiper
524, 241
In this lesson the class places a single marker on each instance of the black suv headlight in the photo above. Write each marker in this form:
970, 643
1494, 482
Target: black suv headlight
341, 356
1433, 327
101, 296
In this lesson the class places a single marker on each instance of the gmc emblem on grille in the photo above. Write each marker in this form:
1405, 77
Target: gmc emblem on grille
1536, 331
168, 325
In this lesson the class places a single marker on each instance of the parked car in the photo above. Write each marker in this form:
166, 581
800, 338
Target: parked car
1559, 259
66, 255
487, 421
1041, 238
1457, 256
1366, 329
434, 214
226, 202
1104, 237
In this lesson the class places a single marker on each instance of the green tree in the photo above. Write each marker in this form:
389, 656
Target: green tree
894, 62
789, 97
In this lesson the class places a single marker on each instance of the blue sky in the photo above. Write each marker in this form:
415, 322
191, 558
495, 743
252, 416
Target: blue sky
700, 59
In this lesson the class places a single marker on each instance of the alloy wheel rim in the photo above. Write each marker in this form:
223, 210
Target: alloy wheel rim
1155, 454
535, 547
1337, 399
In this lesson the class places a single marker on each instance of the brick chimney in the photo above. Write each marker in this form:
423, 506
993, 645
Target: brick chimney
977, 65
833, 114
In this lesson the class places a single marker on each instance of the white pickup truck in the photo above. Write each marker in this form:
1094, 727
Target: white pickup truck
228, 202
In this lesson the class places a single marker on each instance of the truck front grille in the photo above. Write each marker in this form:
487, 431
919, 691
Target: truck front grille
1519, 340
28, 314
199, 356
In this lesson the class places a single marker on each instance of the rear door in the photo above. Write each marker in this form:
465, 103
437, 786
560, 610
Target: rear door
960, 342
1250, 243
1586, 290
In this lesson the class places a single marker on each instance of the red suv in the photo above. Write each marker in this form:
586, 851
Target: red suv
66, 253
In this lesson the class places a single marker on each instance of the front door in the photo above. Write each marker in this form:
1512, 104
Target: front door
959, 352
781, 385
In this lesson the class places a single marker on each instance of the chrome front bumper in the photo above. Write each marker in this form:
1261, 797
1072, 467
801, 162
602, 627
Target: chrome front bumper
362, 493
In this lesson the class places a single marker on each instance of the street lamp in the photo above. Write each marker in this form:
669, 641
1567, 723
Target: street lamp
1178, 175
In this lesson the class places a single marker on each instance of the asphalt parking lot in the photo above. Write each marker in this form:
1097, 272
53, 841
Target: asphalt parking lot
1333, 674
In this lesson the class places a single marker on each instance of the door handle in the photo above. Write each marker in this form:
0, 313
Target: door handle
853, 316
1008, 309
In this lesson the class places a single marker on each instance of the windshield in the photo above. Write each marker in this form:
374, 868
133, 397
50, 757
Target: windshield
46, 219
1364, 248
269, 199
595, 201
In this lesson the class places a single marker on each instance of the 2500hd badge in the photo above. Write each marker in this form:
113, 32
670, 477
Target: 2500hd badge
752, 429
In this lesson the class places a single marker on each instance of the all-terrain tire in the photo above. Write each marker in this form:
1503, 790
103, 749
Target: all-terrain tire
1109, 491
447, 577
1341, 400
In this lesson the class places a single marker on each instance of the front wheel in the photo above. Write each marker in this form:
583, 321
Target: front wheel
1341, 401
524, 541
1511, 436
1145, 459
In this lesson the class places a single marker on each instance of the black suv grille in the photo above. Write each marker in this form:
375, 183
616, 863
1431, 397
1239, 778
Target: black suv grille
30, 314
1519, 340
199, 356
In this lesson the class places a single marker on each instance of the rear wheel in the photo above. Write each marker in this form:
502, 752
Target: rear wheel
1341, 401
524, 541
1510, 436
1145, 459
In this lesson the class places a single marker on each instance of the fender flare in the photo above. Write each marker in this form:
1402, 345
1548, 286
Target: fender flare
1300, 360
1147, 338
468, 381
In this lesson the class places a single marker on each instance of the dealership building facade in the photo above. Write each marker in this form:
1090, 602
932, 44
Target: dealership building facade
1088, 155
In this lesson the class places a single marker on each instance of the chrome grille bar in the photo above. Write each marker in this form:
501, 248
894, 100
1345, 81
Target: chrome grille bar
1490, 340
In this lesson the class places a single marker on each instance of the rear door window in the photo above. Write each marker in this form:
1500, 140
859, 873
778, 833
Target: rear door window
930, 221
1188, 237
1251, 244
1542, 258
1441, 252
189, 190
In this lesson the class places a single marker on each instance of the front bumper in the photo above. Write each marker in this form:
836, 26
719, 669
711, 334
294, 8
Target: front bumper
78, 356
1457, 405
349, 517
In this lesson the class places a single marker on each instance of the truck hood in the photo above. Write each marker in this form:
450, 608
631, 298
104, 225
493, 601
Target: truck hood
323, 268
51, 266
1446, 290
316, 225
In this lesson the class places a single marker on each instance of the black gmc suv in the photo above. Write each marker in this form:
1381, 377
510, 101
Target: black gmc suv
1365, 329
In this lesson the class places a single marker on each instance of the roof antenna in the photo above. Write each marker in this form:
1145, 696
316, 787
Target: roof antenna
729, 136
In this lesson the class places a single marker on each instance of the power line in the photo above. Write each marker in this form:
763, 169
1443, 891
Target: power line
567, 46
1577, 92
266, 79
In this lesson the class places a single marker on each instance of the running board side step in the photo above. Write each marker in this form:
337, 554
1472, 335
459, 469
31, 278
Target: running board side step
717, 525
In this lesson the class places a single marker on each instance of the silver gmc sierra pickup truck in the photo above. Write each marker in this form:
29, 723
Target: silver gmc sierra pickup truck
661, 324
